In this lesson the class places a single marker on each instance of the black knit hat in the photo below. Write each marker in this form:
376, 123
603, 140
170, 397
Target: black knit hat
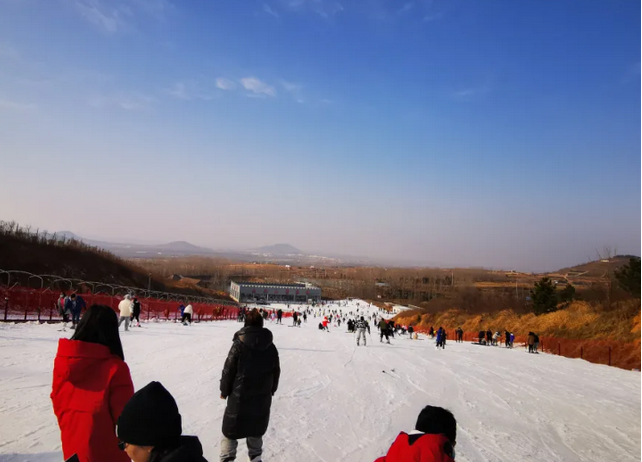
150, 417
437, 420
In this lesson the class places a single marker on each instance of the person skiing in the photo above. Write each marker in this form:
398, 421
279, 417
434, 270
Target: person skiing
77, 304
60, 304
536, 344
383, 330
125, 308
295, 316
305, 317
496, 336
181, 309
482, 336
433, 440
440, 332
187, 315
531, 342
460, 334
249, 379
325, 323
410, 331
361, 326
512, 339
431, 332
489, 337
507, 338
150, 429
91, 385
136, 312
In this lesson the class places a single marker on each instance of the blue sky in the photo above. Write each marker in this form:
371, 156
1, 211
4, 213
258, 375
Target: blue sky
490, 133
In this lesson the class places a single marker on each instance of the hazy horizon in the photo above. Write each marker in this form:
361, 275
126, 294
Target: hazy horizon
483, 134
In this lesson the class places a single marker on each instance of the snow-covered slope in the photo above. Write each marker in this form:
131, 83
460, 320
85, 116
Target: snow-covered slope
337, 402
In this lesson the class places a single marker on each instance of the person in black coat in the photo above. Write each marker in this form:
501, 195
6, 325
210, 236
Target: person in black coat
249, 380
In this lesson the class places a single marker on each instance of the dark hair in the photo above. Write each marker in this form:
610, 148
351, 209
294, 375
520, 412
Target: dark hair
73, 295
437, 421
99, 325
254, 319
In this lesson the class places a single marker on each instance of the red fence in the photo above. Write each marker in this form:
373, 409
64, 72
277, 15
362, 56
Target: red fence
26, 304
609, 352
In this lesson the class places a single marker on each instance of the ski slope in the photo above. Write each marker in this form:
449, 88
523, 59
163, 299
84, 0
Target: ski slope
337, 402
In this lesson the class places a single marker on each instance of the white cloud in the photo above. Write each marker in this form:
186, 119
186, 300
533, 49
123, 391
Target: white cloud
113, 17
405, 8
110, 19
270, 11
291, 87
16, 106
321, 7
178, 91
257, 87
225, 84
125, 101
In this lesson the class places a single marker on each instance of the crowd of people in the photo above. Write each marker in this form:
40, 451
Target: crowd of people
101, 419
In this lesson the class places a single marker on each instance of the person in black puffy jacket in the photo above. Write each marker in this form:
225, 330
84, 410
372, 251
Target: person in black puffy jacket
249, 380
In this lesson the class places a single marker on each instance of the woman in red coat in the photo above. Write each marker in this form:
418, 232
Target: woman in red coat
91, 385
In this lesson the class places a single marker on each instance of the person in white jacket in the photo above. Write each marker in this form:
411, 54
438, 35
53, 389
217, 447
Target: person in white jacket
187, 314
125, 308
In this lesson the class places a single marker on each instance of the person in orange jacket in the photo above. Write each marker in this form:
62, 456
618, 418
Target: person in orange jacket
91, 385
433, 440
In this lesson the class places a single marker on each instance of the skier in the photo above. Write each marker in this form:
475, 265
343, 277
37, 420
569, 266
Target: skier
361, 326
482, 335
150, 428
431, 332
496, 338
410, 331
125, 308
305, 317
507, 338
489, 337
187, 315
91, 385
279, 316
512, 339
530, 341
295, 316
536, 344
77, 305
325, 323
433, 440
383, 330
60, 304
459, 335
249, 380
136, 313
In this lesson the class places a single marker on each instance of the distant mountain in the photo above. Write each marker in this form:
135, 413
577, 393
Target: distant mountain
182, 246
279, 249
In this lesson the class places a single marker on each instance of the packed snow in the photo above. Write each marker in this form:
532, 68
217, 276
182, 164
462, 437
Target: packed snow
340, 402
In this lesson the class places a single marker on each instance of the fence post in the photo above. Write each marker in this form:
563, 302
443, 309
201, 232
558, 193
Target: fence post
609, 356
559, 349
581, 352
6, 307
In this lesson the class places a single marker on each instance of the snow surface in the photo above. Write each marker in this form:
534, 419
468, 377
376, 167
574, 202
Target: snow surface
337, 402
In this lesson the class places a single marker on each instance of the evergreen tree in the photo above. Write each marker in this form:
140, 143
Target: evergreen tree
629, 277
544, 296
567, 294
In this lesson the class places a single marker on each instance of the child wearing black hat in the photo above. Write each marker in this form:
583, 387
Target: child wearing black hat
433, 440
150, 429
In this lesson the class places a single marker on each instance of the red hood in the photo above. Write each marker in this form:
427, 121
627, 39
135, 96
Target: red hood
78, 357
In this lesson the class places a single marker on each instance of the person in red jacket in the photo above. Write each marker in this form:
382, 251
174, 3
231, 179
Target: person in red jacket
433, 440
91, 385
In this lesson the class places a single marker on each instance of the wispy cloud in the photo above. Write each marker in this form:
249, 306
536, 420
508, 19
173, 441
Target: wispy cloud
294, 89
225, 84
191, 90
109, 18
268, 9
323, 8
112, 17
16, 106
257, 87
125, 101
405, 8
179, 91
